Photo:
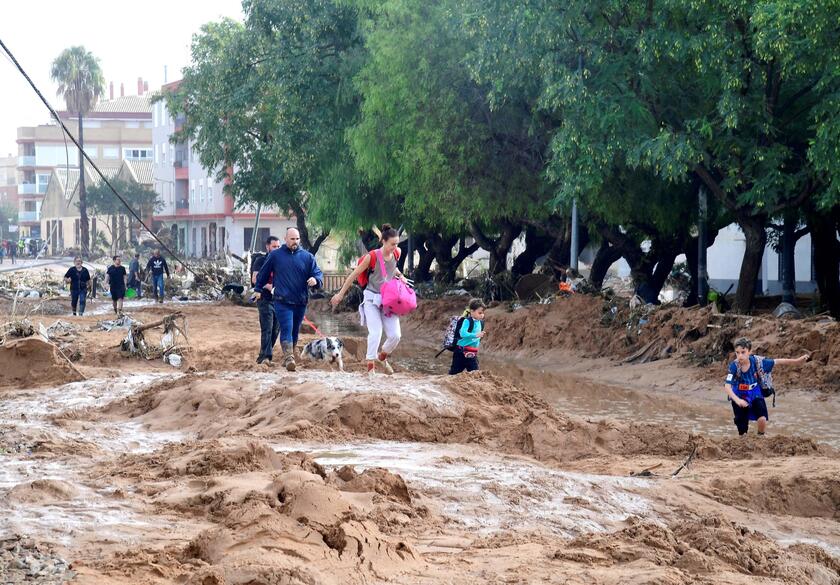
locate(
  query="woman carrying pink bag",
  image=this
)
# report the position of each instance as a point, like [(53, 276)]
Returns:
[(387, 296)]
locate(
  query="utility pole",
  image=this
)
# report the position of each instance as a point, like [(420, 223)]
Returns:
[(573, 252), (256, 229), (788, 259), (573, 261), (702, 270)]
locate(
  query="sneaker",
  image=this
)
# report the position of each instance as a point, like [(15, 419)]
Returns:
[(383, 359), (371, 368), (261, 358)]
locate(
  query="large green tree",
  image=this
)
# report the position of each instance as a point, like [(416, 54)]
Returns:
[(734, 94), (270, 98), (429, 132), (81, 84)]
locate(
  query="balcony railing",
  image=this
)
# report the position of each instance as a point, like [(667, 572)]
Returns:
[(27, 189), (26, 161), (182, 204), (28, 216), (180, 163)]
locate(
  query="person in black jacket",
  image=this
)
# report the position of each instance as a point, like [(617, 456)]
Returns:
[(78, 278), (156, 267), (269, 326), (291, 271)]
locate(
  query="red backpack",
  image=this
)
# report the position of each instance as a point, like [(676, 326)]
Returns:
[(362, 279)]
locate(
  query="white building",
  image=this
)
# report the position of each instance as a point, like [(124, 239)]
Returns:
[(203, 219), (724, 264)]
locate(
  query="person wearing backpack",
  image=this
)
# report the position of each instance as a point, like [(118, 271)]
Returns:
[(371, 310), (469, 330), (748, 382)]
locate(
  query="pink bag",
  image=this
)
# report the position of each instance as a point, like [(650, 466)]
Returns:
[(397, 298)]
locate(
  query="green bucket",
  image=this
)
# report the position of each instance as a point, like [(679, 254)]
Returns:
[(131, 293)]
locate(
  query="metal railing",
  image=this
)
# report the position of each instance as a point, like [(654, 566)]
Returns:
[(182, 204)]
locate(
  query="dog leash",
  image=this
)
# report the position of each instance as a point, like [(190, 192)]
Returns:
[(311, 324)]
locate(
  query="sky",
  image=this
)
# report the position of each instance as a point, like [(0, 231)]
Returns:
[(131, 39)]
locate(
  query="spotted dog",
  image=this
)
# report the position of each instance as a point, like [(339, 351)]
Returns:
[(328, 348)]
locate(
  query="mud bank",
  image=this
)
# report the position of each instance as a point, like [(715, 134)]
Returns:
[(480, 408), (595, 327)]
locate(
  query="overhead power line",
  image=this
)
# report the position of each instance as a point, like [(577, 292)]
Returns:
[(90, 161)]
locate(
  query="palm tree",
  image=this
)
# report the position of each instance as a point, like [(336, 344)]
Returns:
[(81, 84)]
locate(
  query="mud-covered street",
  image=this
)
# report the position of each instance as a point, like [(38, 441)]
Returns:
[(550, 468)]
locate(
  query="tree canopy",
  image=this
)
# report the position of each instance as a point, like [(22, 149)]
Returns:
[(472, 123)]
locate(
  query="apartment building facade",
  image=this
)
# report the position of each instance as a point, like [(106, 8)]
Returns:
[(203, 220), (118, 129), (8, 195)]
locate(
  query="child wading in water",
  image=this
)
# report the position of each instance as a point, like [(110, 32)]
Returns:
[(747, 374), (470, 330)]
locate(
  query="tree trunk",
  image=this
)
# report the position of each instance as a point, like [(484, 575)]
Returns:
[(826, 259), (606, 256), (403, 256), (498, 248), (537, 244), (788, 260), (754, 230), (447, 264), (664, 265), (305, 241), (423, 271), (83, 216)]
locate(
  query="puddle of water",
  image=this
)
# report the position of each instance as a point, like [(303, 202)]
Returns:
[(103, 306), (488, 493)]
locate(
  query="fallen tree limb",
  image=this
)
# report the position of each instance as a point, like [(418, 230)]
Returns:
[(687, 462)]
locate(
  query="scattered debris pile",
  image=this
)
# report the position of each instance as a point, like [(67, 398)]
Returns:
[(16, 329), (122, 322), (22, 560), (173, 341), (64, 335), (34, 284)]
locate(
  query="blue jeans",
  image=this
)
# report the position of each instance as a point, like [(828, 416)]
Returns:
[(289, 317), (78, 297), (157, 285)]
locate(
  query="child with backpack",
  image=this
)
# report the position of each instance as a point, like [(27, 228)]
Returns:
[(378, 274), (749, 382), (466, 337)]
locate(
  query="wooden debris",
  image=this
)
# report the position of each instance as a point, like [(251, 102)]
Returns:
[(687, 462)]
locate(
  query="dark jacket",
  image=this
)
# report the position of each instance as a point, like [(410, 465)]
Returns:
[(78, 278), (157, 265), (291, 271)]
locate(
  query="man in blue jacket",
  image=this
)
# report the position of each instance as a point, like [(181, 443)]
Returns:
[(295, 270)]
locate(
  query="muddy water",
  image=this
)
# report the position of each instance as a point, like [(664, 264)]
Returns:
[(486, 492), (705, 411), (33, 448)]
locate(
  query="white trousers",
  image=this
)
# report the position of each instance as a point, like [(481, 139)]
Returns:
[(371, 314)]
